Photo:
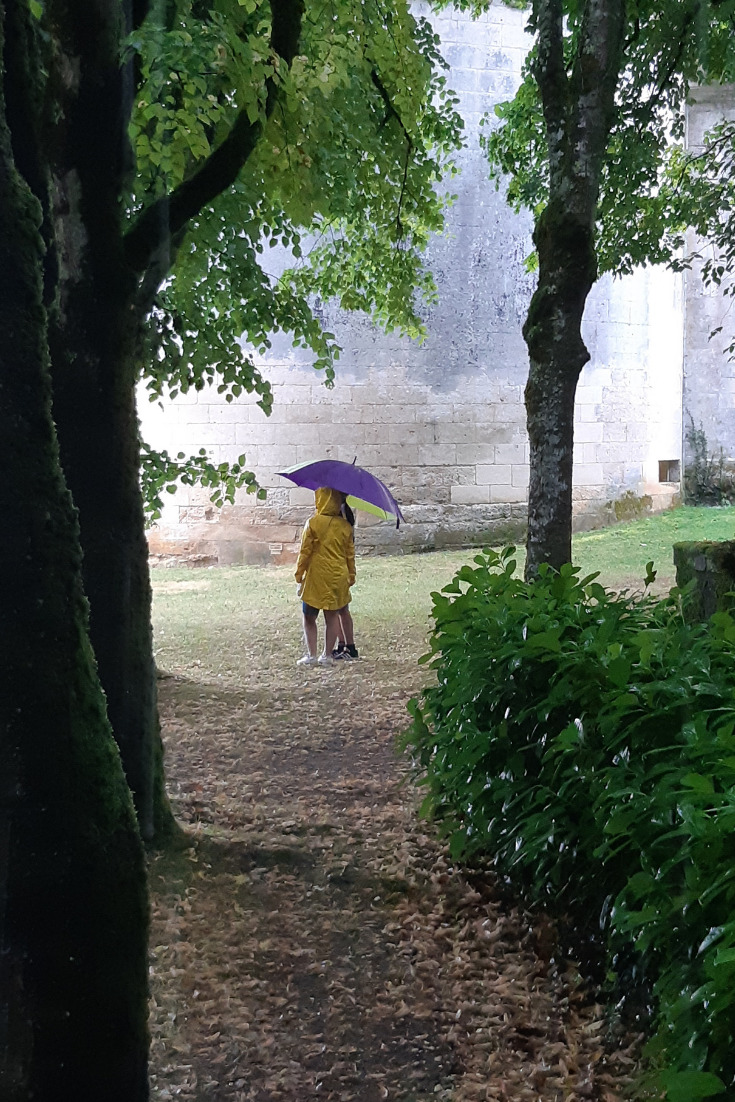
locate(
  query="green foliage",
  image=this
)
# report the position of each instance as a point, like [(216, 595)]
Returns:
[(160, 473), (336, 201), (584, 742), (698, 190), (645, 198), (707, 479), (363, 130)]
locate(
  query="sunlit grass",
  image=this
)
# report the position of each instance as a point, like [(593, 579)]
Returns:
[(216, 619), (621, 553)]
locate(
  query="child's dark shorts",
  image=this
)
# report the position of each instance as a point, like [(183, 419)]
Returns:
[(309, 611)]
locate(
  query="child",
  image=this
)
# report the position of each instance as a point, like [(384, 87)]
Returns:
[(346, 639), (325, 571)]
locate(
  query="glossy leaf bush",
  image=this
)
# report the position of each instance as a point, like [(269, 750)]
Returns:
[(583, 741)]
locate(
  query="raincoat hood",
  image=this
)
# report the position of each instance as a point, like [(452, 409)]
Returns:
[(328, 502)]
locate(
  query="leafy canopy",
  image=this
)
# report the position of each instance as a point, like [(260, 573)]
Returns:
[(642, 208), (336, 200)]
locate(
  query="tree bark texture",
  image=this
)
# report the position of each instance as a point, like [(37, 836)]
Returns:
[(73, 908), (108, 282), (578, 106), (93, 339)]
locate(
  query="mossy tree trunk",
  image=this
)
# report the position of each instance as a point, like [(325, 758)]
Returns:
[(108, 280), (73, 908), (93, 339), (578, 105)]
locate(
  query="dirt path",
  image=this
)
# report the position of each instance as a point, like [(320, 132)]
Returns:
[(314, 942)]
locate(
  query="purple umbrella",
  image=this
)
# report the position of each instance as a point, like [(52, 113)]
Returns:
[(364, 491)]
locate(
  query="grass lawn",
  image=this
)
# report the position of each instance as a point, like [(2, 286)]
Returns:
[(621, 553), (221, 620)]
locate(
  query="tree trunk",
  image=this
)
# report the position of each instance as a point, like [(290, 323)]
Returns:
[(557, 355), (578, 103), (93, 337), (73, 910), (93, 387)]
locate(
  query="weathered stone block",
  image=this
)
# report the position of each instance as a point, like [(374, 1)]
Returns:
[(588, 474), (513, 37), (414, 433), (520, 475), (468, 495), (472, 454), (588, 432), (508, 493), (490, 474), (301, 496), (511, 453), (340, 434), (588, 395), (587, 453), (707, 570), (249, 435), (435, 455), (451, 432)]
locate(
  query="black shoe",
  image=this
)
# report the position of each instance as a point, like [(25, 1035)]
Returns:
[(349, 651)]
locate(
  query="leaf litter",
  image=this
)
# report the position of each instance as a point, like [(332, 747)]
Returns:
[(312, 939)]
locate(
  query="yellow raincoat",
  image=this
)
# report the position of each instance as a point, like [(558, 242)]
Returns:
[(326, 562)]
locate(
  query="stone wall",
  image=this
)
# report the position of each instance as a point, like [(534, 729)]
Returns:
[(443, 422), (709, 379)]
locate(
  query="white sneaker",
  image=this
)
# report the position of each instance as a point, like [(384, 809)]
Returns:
[(325, 660), (307, 660)]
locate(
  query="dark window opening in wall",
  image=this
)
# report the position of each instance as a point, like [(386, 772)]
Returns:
[(669, 470)]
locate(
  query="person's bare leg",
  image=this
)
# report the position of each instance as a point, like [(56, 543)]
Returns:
[(310, 635), (331, 617), (346, 627)]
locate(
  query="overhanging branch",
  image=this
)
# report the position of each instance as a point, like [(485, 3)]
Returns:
[(392, 113), (145, 242)]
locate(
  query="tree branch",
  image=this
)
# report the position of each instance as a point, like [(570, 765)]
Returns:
[(145, 242), (663, 82), (392, 113), (159, 265), (594, 81), (137, 12), (550, 75)]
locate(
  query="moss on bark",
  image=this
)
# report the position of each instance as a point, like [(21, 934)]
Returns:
[(73, 904), (707, 571), (93, 335)]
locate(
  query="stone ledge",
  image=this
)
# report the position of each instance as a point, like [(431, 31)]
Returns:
[(426, 528)]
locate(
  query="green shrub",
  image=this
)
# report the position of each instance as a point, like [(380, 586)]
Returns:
[(584, 742)]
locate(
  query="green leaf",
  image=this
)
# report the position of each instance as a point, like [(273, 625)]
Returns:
[(640, 884), (619, 822), (619, 671), (689, 1086), (544, 641), (698, 783)]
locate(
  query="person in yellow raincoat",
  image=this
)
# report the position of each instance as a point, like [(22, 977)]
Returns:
[(325, 571)]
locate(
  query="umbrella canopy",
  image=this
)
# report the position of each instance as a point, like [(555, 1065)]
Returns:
[(364, 491)]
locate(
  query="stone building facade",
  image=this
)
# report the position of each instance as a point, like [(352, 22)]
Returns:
[(709, 372), (443, 423)]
